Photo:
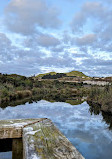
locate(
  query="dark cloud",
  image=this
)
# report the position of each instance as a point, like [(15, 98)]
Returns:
[(86, 40), (5, 48), (98, 62), (18, 68), (47, 41), (98, 17), (97, 67), (28, 62), (89, 10), (25, 16), (43, 40)]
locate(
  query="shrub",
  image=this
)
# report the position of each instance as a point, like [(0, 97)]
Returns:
[(4, 93)]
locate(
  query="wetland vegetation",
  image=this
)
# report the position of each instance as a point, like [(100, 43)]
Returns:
[(59, 89), (54, 87)]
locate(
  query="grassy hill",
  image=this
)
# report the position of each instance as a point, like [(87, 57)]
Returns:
[(72, 73), (76, 73), (51, 73)]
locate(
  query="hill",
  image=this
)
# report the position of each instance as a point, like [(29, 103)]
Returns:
[(76, 73), (68, 74), (51, 73)]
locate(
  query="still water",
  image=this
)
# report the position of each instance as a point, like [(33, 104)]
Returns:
[(88, 133)]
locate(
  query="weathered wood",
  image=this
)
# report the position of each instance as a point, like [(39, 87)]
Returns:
[(17, 149), (43, 140), (13, 128)]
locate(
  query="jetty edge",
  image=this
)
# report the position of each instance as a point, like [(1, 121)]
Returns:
[(37, 139)]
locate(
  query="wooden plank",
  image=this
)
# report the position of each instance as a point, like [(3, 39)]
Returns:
[(13, 128), (43, 140)]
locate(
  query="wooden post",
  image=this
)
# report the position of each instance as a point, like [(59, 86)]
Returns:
[(17, 149)]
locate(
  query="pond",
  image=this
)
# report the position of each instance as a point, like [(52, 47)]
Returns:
[(89, 133)]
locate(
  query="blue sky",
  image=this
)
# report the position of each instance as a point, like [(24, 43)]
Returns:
[(38, 36)]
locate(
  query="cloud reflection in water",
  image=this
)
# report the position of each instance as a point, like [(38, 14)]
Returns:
[(88, 133)]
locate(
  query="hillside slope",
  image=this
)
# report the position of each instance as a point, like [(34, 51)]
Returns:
[(76, 73), (72, 73)]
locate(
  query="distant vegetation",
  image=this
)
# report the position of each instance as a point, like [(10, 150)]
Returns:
[(15, 87), (55, 76), (51, 73), (59, 75), (76, 73)]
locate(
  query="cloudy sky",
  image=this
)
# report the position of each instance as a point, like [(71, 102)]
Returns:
[(38, 36)]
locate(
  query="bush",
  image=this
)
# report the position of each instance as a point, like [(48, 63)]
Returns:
[(4, 93), (23, 94)]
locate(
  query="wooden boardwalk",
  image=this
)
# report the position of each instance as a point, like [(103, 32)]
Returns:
[(37, 139)]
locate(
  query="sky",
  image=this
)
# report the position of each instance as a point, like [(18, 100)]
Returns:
[(39, 36)]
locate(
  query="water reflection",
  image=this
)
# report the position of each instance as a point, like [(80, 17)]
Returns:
[(108, 119), (74, 101), (96, 109), (89, 133), (6, 146), (6, 155)]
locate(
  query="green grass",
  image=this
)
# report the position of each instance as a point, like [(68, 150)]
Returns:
[(72, 73), (51, 73), (76, 73)]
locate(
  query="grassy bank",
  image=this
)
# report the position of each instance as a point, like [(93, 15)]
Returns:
[(102, 97), (15, 87)]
